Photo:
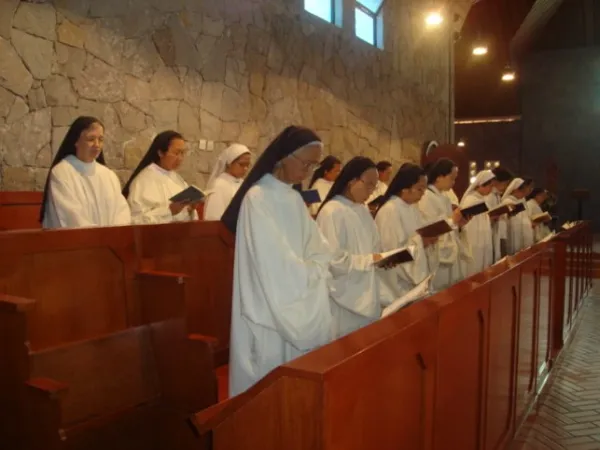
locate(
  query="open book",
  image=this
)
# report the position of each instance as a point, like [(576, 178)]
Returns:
[(311, 196), (500, 210), (547, 238), (376, 202), (419, 291), (435, 229), (191, 194), (541, 218), (517, 208), (568, 225), (474, 210), (396, 256)]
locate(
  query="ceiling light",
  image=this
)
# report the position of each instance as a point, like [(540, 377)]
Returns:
[(480, 50), (434, 19), (508, 75), (461, 143)]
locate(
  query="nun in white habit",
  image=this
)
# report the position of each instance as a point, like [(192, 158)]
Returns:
[(398, 220), (534, 208), (519, 226), (323, 178), (155, 180), (226, 178), (356, 291), (502, 179), (281, 271), (80, 190), (479, 228), (453, 247)]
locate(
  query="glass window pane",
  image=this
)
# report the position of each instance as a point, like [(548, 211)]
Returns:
[(320, 8), (371, 5), (364, 25)]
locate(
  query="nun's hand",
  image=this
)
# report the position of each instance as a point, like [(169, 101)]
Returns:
[(177, 207), (458, 218)]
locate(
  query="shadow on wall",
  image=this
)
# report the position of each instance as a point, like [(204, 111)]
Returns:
[(218, 71)]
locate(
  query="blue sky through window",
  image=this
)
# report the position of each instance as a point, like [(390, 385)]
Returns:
[(364, 26), (320, 8), (371, 5)]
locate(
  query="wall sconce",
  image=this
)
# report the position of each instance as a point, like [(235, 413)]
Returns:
[(480, 50), (509, 75), (434, 19), (461, 143)]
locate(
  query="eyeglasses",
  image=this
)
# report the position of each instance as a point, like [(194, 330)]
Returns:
[(307, 165)]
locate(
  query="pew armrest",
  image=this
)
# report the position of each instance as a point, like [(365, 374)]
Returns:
[(177, 277), (47, 387), (162, 295), (10, 303)]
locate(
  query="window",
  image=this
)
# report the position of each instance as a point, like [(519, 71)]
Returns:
[(368, 21), (329, 10)]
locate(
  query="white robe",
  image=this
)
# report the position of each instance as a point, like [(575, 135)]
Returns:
[(480, 236), (541, 230), (499, 227), (380, 190), (397, 222), (280, 284), (453, 247), (223, 190), (84, 195), (323, 187), (519, 229), (149, 196), (356, 290)]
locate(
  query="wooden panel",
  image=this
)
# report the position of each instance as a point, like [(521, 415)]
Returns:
[(501, 370), (544, 337), (460, 379), (104, 375), (20, 210)]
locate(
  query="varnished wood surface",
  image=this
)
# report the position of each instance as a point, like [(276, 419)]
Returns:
[(20, 210)]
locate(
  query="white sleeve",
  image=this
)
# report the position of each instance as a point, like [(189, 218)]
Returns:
[(215, 205), (293, 286), (69, 210), (146, 203), (121, 211)]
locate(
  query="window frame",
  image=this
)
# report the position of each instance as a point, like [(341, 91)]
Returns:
[(337, 12), (377, 18)]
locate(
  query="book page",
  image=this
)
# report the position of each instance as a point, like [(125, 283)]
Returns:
[(416, 293)]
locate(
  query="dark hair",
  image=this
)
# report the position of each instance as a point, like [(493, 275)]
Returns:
[(503, 174), (325, 166), (67, 147), (535, 192), (487, 183), (440, 168), (160, 143), (382, 166), (351, 171), (297, 187), (526, 182), (407, 176)]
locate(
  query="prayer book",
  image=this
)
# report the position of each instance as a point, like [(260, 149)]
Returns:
[(435, 229), (547, 238), (518, 208), (416, 293), (189, 195), (541, 218), (500, 210), (474, 210), (311, 196), (376, 202), (395, 257)]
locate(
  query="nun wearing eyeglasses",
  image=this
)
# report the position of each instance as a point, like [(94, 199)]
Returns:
[(281, 271), (519, 226), (398, 220), (226, 178), (356, 293), (479, 229), (155, 180)]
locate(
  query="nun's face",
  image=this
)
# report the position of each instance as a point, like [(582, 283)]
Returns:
[(173, 157), (90, 143), (386, 175), (239, 167), (332, 174), (486, 189), (360, 189), (446, 182), (299, 165), (415, 193), (501, 186)]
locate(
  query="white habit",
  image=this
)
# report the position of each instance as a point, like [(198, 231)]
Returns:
[(222, 185), (453, 247), (397, 222), (280, 284), (519, 228), (499, 232), (541, 230), (84, 195), (355, 290), (149, 196), (323, 187), (479, 229), (380, 190)]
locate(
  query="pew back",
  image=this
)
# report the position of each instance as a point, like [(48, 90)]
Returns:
[(20, 210)]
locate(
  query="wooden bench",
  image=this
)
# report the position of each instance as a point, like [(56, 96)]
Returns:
[(20, 210), (125, 390), (461, 369)]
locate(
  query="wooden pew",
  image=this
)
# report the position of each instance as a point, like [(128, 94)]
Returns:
[(131, 389), (20, 210), (463, 367)]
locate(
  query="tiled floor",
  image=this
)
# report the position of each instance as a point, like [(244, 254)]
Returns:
[(568, 415)]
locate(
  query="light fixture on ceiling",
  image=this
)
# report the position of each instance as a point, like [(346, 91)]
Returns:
[(434, 19), (509, 75), (480, 50), (461, 143)]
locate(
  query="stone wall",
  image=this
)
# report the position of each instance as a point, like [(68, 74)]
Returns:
[(221, 71)]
